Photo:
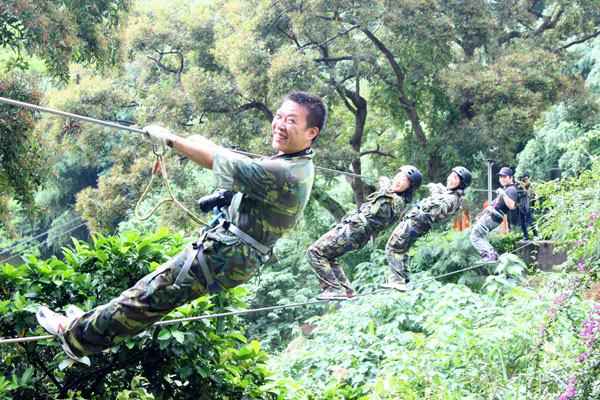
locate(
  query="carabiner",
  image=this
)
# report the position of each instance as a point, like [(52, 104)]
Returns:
[(155, 150)]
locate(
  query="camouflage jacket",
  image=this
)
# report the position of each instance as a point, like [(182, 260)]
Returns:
[(381, 210), (435, 208), (272, 193)]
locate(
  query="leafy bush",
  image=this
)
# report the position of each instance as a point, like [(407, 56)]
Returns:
[(206, 359)]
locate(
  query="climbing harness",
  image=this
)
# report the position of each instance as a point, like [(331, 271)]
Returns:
[(160, 164), (197, 251)]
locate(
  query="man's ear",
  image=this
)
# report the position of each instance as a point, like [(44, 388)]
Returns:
[(313, 132)]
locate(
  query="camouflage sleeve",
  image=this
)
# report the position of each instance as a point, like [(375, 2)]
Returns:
[(441, 206), (263, 180), (380, 207)]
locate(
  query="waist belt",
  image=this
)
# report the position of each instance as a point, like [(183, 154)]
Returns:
[(197, 252), (425, 219), (346, 230), (494, 213)]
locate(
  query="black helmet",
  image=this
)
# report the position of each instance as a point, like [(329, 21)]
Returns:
[(464, 174), (415, 176)]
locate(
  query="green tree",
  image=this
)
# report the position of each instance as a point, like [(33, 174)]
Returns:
[(61, 32), (455, 72), (23, 157), (205, 360)]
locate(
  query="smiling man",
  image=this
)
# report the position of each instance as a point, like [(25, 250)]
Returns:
[(267, 197)]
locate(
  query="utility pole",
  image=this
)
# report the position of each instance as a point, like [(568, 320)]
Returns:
[(489, 166)]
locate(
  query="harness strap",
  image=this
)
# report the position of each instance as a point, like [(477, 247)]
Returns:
[(185, 269), (498, 213), (247, 239)]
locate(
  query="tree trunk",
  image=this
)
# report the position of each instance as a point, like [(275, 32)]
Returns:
[(334, 208), (359, 109)]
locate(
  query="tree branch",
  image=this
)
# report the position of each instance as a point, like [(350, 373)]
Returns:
[(334, 59), (42, 366), (163, 66), (584, 39), (259, 106), (377, 152)]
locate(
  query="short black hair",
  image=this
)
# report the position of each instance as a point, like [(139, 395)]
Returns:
[(317, 110)]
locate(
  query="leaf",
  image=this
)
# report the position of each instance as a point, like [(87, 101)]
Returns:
[(66, 363), (27, 375), (239, 337), (84, 360), (179, 336), (164, 334)]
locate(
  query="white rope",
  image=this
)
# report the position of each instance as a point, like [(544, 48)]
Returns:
[(138, 130)]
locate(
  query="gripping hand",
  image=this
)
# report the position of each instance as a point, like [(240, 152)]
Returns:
[(435, 187), (384, 184), (156, 134), (500, 192)]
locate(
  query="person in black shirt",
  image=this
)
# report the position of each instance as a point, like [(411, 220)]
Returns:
[(524, 206), (493, 215)]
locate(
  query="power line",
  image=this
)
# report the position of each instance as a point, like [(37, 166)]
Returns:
[(40, 235), (41, 243)]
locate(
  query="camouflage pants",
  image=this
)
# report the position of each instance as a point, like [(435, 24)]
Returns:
[(154, 296), (484, 225), (322, 255), (396, 249)]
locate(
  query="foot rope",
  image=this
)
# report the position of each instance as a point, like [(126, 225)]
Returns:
[(253, 310)]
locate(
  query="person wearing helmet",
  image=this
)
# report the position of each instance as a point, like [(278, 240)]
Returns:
[(443, 202), (379, 212)]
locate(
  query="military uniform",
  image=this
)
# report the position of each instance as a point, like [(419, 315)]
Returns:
[(440, 205), (273, 194), (380, 211)]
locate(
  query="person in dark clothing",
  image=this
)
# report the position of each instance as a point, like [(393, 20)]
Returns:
[(493, 215), (525, 197)]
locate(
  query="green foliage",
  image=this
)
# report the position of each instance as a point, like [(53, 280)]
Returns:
[(61, 32), (439, 341), (445, 252), (206, 359), (23, 166)]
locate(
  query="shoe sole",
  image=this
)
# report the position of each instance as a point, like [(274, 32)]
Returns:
[(43, 321), (331, 298), (397, 287)]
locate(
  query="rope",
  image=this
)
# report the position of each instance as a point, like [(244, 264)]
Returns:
[(138, 130), (160, 163), (253, 310), (69, 115)]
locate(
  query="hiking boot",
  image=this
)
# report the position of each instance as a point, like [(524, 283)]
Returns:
[(55, 324), (488, 258), (399, 286), (334, 294)]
